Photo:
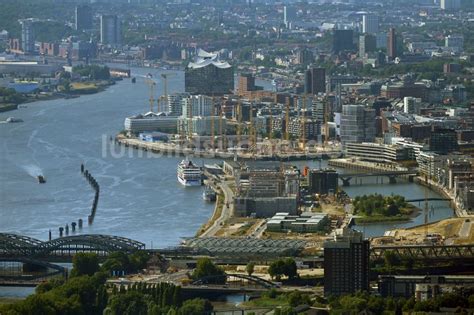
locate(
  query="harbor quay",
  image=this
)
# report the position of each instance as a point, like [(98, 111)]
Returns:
[(202, 147)]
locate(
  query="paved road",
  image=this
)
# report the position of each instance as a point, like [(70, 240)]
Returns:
[(227, 211)]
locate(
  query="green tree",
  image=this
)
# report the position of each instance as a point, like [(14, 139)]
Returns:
[(291, 271), (129, 303), (296, 298), (250, 268), (206, 268), (391, 259), (195, 307), (84, 264), (277, 269)]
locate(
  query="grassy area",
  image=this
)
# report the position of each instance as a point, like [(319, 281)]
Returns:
[(84, 88), (5, 300)]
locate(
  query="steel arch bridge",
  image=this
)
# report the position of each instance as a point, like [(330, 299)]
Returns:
[(13, 245), (225, 278)]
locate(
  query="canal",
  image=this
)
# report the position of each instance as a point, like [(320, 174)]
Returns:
[(438, 209)]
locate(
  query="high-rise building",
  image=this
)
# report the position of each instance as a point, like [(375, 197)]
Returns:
[(315, 81), (392, 44), (468, 117), (357, 124), (289, 15), (367, 44), (28, 35), (83, 15), (346, 263), (370, 24), (323, 181), (174, 103), (246, 83), (304, 56), (197, 105), (444, 141), (455, 42), (209, 76), (450, 4), (110, 30), (342, 40)]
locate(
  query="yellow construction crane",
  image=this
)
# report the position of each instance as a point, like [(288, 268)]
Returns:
[(426, 213), (326, 123), (151, 85), (303, 124), (239, 122), (221, 126), (213, 112), (190, 122), (164, 97), (270, 124), (287, 118), (252, 131)]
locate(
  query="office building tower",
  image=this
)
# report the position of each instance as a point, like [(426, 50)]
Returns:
[(444, 141), (289, 15), (468, 117), (370, 24), (346, 263), (83, 15), (450, 4), (110, 30), (323, 181), (28, 35), (357, 124), (367, 44), (315, 81), (392, 44), (209, 76), (342, 40)]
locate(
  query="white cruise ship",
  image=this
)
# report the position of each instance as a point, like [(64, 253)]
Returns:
[(189, 174)]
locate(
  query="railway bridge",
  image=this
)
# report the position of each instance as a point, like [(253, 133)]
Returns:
[(425, 252)]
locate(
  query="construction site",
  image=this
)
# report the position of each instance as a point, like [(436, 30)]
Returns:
[(230, 125)]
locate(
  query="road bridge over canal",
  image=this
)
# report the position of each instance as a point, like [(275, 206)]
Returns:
[(392, 175)]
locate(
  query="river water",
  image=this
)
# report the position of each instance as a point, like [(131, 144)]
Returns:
[(140, 197)]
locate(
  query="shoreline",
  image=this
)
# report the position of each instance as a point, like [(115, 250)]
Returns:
[(56, 96)]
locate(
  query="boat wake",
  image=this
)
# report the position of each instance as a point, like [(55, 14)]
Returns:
[(33, 170)]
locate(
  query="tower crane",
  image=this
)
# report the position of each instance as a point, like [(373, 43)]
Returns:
[(303, 123), (213, 113), (287, 118), (326, 123), (270, 124), (151, 85), (164, 97), (239, 122)]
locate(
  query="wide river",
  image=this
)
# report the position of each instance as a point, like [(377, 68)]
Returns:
[(140, 197)]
